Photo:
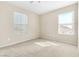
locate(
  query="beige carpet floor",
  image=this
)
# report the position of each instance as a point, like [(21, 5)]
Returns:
[(39, 48)]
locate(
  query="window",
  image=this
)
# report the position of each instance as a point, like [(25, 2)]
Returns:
[(20, 22), (66, 23)]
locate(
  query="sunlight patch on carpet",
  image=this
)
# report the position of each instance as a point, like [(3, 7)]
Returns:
[(46, 43)]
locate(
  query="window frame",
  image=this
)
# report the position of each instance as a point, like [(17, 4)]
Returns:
[(73, 23), (26, 24)]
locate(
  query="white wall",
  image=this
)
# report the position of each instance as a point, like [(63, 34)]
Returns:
[(49, 26), (7, 34), (78, 26), (44, 26)]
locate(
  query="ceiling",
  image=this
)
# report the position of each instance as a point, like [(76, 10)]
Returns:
[(43, 6)]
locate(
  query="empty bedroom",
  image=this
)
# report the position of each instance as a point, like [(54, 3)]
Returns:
[(39, 29)]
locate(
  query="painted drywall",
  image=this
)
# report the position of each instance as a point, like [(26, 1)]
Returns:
[(78, 26), (8, 36), (49, 26), (44, 26)]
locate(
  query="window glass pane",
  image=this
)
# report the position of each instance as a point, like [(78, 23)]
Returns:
[(20, 18), (66, 18)]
